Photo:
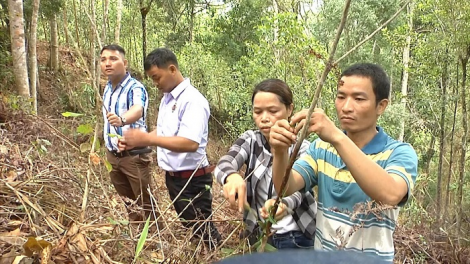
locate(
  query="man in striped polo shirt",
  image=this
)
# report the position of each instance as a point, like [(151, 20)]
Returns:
[(125, 103), (363, 175)]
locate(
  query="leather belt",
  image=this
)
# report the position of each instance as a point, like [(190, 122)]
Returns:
[(187, 173), (131, 152)]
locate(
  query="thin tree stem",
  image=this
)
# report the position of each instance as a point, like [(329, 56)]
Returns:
[(372, 34)]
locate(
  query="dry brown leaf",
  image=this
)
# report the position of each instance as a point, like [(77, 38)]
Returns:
[(46, 255), (34, 245), (80, 241), (11, 176), (13, 240), (15, 232), (95, 159), (21, 259)]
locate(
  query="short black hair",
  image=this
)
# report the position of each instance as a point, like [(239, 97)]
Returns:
[(380, 80), (161, 57), (114, 47)]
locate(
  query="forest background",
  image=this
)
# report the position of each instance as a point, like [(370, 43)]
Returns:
[(49, 65)]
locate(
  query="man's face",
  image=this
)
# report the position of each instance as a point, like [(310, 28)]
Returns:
[(113, 63), (356, 105), (163, 78)]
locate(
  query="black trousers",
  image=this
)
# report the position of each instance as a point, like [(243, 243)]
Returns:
[(199, 197)]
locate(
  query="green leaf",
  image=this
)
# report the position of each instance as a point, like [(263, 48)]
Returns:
[(208, 187), (108, 165), (85, 147), (70, 114), (43, 148), (269, 248), (112, 221), (143, 237), (97, 143), (114, 135), (85, 129), (227, 251), (46, 142), (124, 222)]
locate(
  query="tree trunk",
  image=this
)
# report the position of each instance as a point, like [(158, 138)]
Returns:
[(276, 31), (406, 61), (463, 151), (54, 60), (443, 84), (77, 34), (191, 21), (105, 22), (33, 61), (143, 12), (93, 37), (117, 28), (67, 40), (18, 46), (451, 158), (429, 155)]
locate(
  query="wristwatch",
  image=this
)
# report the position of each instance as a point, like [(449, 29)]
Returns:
[(123, 121)]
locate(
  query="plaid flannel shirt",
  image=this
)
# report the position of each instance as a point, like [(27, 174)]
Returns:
[(252, 149)]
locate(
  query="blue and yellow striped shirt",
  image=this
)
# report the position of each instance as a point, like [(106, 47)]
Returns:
[(344, 220)]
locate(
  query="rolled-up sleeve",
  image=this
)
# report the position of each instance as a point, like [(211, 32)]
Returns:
[(233, 161)]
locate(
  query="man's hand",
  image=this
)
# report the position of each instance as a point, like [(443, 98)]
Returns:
[(122, 144), (114, 119), (134, 138), (235, 186), (280, 213), (282, 136), (320, 124)]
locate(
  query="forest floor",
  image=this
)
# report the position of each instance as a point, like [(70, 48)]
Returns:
[(45, 181)]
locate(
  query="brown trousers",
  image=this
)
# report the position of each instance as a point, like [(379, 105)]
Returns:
[(130, 176)]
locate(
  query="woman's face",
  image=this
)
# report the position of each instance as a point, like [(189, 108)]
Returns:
[(267, 109)]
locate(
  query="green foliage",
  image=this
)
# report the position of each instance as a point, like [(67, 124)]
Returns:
[(85, 129), (70, 114), (141, 242), (41, 145)]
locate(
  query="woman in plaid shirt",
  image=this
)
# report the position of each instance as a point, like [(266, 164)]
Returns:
[(295, 227)]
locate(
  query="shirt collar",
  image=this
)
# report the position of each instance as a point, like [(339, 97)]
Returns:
[(123, 81), (180, 88), (377, 143)]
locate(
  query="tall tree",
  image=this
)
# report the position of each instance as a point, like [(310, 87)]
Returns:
[(406, 62), (18, 46), (54, 52), (33, 62), (464, 61), (117, 26), (144, 10)]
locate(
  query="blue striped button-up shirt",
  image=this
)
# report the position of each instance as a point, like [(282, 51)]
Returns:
[(128, 92)]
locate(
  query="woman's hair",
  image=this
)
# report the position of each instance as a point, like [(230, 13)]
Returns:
[(277, 87)]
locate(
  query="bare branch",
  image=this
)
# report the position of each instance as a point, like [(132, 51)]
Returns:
[(373, 33)]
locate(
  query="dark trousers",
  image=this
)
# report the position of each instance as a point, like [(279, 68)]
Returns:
[(130, 176), (194, 203)]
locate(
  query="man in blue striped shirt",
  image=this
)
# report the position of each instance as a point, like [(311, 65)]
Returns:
[(363, 175), (125, 103)]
